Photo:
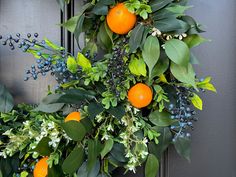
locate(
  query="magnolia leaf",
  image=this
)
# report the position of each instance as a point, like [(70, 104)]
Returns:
[(83, 61), (72, 64), (73, 161), (177, 51), (6, 100), (107, 148), (182, 146), (151, 52), (183, 74), (152, 166), (136, 37), (137, 67), (194, 40), (196, 101)]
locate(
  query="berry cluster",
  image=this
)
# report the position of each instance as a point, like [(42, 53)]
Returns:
[(182, 112), (26, 167), (117, 67)]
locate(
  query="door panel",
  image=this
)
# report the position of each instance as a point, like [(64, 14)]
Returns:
[(214, 137), (26, 16)]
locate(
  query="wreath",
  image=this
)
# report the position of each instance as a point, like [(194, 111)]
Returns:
[(129, 94)]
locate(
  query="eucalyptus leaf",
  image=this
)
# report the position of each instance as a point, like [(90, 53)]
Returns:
[(6, 100), (182, 146), (183, 74), (178, 52), (152, 166), (74, 160), (151, 52), (74, 129)]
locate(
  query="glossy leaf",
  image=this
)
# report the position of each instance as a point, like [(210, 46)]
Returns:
[(6, 100), (94, 109), (182, 146), (151, 52), (160, 67), (205, 84), (136, 37), (152, 166), (161, 119), (79, 28), (49, 108), (43, 148), (177, 51), (72, 64), (137, 67), (55, 171), (118, 111), (75, 130), (194, 40), (196, 101), (156, 5), (73, 161), (100, 9), (104, 38), (168, 24), (83, 61), (178, 9), (183, 74), (107, 147), (118, 152)]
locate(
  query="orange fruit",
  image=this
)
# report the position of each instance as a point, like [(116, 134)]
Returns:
[(73, 116), (41, 168), (140, 95), (120, 20)]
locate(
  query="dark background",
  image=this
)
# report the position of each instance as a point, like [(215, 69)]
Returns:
[(214, 137)]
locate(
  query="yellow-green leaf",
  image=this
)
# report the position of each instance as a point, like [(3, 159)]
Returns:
[(196, 101), (137, 67), (52, 45), (83, 61), (72, 64)]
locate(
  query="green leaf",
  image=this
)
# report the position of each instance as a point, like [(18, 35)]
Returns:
[(196, 101), (205, 84), (118, 152), (24, 174), (193, 59), (194, 40), (137, 67), (72, 64), (168, 24), (118, 111), (75, 130), (152, 166), (74, 160), (178, 9), (161, 119), (43, 148), (62, 4), (79, 28), (94, 149), (52, 45), (104, 37), (177, 51), (55, 171), (151, 52), (71, 24), (136, 37), (161, 66), (182, 146), (194, 26), (82, 172), (156, 5), (107, 148), (94, 109), (100, 9), (83, 61), (183, 74), (49, 108), (6, 100)]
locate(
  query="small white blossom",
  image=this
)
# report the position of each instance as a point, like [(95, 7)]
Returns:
[(110, 128), (105, 137), (3, 154), (143, 154), (131, 167), (99, 118)]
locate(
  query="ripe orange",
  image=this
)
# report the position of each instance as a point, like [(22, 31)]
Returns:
[(120, 20), (140, 95), (41, 168), (73, 116)]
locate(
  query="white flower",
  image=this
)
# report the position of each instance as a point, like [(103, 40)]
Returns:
[(99, 118), (105, 137), (129, 154), (143, 154), (3, 154), (145, 141), (110, 128), (51, 125), (131, 167)]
